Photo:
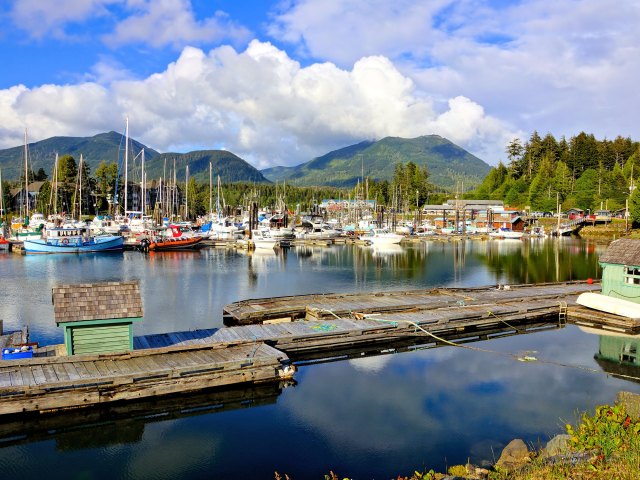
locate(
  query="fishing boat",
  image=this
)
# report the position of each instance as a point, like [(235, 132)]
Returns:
[(4, 243), (173, 239), (72, 240), (380, 236)]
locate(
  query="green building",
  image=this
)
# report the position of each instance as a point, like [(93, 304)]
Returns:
[(618, 355), (97, 317), (621, 270)]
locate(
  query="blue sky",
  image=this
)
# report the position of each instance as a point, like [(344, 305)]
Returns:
[(279, 82)]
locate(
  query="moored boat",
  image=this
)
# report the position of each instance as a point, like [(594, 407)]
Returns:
[(507, 233), (72, 240), (177, 240), (381, 236)]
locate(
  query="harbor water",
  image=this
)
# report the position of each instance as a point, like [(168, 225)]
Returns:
[(369, 416)]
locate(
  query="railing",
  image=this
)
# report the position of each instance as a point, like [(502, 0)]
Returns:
[(569, 226)]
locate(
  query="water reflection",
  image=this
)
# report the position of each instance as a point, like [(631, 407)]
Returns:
[(618, 353), (421, 407)]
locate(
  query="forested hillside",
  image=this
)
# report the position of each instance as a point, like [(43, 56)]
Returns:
[(580, 172)]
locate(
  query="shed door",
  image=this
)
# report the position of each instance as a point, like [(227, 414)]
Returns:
[(104, 339)]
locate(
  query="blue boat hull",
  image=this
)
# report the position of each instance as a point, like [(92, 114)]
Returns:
[(74, 245)]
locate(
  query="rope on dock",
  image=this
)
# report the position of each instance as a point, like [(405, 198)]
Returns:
[(520, 358)]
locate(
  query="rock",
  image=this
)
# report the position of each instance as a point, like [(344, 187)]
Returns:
[(631, 402), (481, 472), (558, 445), (514, 455)]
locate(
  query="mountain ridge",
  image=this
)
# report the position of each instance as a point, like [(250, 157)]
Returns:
[(109, 147), (446, 162)]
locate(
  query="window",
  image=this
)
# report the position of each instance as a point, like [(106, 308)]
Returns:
[(629, 353), (632, 275)]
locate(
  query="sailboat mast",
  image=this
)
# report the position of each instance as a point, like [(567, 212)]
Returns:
[(80, 190), (26, 175), (186, 194), (142, 187), (210, 186), (1, 198), (126, 163)]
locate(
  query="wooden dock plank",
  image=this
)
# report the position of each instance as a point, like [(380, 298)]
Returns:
[(38, 374)]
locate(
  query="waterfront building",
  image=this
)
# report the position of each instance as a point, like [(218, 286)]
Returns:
[(620, 265), (97, 317)]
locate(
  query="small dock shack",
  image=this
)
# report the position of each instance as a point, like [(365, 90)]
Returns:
[(620, 265), (97, 317)]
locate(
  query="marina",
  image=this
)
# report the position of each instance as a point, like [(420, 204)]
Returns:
[(376, 355)]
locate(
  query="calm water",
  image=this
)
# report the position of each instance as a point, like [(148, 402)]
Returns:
[(370, 417)]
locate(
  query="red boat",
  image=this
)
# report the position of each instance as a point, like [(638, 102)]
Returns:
[(4, 243), (177, 241)]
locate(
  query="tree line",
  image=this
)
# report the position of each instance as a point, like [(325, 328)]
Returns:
[(580, 172)]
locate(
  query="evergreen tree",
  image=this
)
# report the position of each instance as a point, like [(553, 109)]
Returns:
[(586, 189), (515, 150), (634, 207), (562, 180)]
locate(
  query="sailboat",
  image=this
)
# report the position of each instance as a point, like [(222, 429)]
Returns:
[(4, 243), (26, 226)]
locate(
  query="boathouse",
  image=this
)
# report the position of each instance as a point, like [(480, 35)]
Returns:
[(97, 317), (620, 265)]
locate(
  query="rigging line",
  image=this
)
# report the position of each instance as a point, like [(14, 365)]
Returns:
[(485, 350)]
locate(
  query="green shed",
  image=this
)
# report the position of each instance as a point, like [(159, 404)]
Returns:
[(97, 317), (621, 270), (619, 355)]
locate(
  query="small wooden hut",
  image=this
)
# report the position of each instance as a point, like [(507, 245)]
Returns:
[(97, 317), (621, 270)]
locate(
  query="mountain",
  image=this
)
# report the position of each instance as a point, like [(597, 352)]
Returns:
[(109, 147), (42, 154), (446, 162), (230, 167)]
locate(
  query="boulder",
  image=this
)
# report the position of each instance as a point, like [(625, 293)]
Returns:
[(514, 455), (558, 445), (631, 402)]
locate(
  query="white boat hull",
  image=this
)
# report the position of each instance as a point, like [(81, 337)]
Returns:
[(604, 303)]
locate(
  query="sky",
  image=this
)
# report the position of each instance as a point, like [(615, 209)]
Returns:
[(279, 82)]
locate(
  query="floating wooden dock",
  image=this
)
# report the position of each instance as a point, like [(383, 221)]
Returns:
[(267, 334), (469, 302), (58, 383), (587, 317)]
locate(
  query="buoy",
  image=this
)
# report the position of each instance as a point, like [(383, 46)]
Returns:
[(590, 281)]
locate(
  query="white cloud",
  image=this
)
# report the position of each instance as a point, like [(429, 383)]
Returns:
[(39, 19), (345, 30), (154, 23), (259, 104), (159, 23), (561, 67)]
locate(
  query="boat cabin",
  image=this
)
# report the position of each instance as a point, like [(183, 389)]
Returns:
[(97, 317), (620, 265)]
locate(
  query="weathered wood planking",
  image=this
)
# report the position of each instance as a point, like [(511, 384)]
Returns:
[(319, 305), (55, 383), (592, 318)]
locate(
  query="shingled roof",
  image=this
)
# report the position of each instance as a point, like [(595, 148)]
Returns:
[(625, 251), (96, 301)]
